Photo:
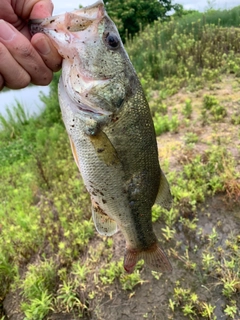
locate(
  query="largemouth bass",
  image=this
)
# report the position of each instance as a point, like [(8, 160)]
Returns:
[(111, 131)]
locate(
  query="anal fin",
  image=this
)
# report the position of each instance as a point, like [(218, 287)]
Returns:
[(104, 225), (164, 197)]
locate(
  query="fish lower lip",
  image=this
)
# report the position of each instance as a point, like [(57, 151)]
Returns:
[(91, 110), (34, 28)]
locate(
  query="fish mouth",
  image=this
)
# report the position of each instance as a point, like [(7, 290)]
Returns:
[(81, 95), (78, 20), (63, 30), (92, 110), (81, 107)]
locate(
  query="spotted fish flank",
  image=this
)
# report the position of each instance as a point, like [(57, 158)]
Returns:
[(111, 132)]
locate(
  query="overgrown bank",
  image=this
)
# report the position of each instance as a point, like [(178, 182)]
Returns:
[(52, 262)]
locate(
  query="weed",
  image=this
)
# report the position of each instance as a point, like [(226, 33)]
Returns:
[(168, 233), (187, 109), (208, 311), (235, 118), (230, 311), (49, 250), (191, 305), (38, 279), (36, 289), (230, 287), (37, 308), (156, 275), (7, 273), (129, 282), (68, 298), (189, 51), (16, 122), (209, 261), (80, 271), (156, 213), (213, 237), (161, 124), (164, 123), (191, 137), (169, 217), (172, 305), (211, 104), (109, 274)]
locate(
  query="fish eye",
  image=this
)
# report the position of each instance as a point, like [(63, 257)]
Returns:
[(112, 41)]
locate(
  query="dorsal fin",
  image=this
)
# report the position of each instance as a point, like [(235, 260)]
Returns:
[(164, 197), (104, 225)]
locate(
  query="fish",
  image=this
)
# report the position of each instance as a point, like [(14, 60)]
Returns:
[(111, 131)]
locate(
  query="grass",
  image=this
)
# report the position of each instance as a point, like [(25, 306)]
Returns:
[(187, 52), (50, 254)]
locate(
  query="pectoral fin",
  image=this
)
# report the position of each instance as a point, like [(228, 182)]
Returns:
[(104, 148), (104, 225), (74, 152), (164, 197)]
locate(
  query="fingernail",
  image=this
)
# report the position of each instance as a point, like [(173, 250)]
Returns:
[(1, 82), (42, 46), (6, 32)]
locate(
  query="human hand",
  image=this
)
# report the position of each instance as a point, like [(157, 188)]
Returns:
[(25, 59)]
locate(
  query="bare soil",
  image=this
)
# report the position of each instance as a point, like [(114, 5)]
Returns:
[(150, 300)]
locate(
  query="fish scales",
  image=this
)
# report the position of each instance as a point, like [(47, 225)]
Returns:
[(111, 131), (140, 161)]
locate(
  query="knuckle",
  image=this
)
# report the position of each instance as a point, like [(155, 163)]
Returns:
[(25, 81), (39, 72), (12, 74), (21, 80), (25, 50), (3, 51)]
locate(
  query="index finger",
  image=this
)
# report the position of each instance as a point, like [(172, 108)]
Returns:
[(24, 54), (33, 9)]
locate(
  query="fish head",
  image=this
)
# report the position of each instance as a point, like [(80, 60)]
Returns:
[(96, 69)]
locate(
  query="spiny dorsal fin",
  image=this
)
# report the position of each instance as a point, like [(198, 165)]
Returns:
[(104, 225), (164, 197)]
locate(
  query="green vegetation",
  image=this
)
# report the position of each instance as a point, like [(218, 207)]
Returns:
[(131, 15), (51, 259), (187, 52)]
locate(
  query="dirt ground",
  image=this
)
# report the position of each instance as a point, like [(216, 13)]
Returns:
[(150, 299)]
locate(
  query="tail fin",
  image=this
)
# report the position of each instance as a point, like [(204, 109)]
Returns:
[(154, 257)]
